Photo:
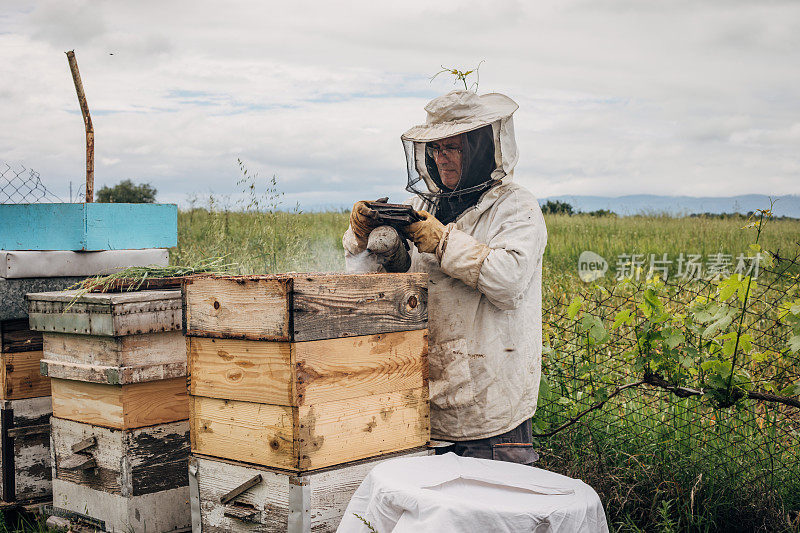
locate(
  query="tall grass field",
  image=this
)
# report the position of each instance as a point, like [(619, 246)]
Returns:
[(651, 482), (271, 242)]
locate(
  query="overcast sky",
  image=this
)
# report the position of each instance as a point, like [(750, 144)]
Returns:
[(616, 96)]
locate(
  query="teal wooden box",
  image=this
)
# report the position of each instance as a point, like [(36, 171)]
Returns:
[(88, 226)]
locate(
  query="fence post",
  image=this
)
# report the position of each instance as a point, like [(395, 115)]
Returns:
[(87, 122)]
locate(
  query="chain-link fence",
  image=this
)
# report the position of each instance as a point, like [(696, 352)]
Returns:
[(20, 185), (678, 401)]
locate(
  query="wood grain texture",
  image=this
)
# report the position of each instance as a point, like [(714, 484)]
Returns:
[(92, 403), (305, 307), (128, 350), (234, 369), (20, 376), (270, 498), (334, 306), (241, 307), (314, 436), (128, 462), (243, 431), (347, 430), (30, 411), (328, 493), (121, 406), (350, 367), (112, 314), (15, 336), (300, 373)]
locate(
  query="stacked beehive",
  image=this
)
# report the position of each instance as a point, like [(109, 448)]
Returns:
[(120, 435), (24, 394), (295, 379)]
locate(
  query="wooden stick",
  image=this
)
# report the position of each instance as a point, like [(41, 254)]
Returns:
[(247, 485), (83, 445), (87, 122)]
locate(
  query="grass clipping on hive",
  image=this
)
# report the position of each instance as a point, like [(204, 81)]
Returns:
[(135, 278)]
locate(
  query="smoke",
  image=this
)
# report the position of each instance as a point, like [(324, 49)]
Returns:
[(363, 262)]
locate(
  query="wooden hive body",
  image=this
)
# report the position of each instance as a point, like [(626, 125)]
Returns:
[(274, 501), (130, 462), (20, 353), (307, 371), (304, 307), (25, 450), (24, 415), (120, 434), (115, 360), (108, 315)]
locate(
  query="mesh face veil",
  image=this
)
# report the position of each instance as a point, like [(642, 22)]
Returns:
[(488, 149), (478, 166)]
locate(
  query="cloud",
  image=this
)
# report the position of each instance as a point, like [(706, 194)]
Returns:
[(616, 97)]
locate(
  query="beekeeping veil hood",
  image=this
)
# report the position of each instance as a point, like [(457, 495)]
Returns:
[(489, 151)]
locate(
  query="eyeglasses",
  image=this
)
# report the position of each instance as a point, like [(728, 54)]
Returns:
[(449, 151)]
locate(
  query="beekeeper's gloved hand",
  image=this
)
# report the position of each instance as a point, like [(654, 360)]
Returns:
[(427, 233), (362, 221)]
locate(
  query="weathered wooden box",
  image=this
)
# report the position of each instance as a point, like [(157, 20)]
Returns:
[(24, 414), (105, 314), (115, 360), (307, 371), (25, 450), (92, 226), (20, 353), (305, 307), (133, 480), (240, 498)]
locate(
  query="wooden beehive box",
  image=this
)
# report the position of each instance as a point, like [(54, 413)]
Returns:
[(20, 353), (25, 450), (105, 314), (132, 480), (301, 372), (24, 415), (243, 498), (115, 360)]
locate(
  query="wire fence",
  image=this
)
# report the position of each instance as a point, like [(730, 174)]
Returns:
[(679, 394), (20, 185)]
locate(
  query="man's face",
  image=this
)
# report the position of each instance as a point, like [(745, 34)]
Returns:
[(447, 155)]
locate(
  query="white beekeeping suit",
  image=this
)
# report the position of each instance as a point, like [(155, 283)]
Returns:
[(485, 280)]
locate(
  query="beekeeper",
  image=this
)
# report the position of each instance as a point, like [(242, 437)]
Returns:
[(481, 242)]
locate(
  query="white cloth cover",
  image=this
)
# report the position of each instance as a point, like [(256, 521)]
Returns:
[(60, 263), (465, 494), (484, 298)]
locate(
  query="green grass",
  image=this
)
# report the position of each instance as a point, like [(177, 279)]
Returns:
[(568, 236), (263, 243), (312, 241), (19, 522)]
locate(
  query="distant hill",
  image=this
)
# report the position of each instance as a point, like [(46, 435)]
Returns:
[(635, 204)]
